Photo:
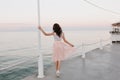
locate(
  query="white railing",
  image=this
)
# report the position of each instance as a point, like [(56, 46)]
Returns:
[(16, 63), (84, 47), (92, 46), (82, 50)]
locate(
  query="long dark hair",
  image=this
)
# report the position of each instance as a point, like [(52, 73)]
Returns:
[(57, 29)]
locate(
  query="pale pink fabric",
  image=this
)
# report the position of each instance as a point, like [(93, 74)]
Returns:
[(62, 51)]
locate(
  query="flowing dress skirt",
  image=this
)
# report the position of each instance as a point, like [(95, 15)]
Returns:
[(62, 51)]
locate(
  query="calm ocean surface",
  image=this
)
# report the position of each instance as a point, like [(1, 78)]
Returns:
[(19, 50)]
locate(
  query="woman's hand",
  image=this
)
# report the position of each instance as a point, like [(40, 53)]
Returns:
[(72, 45), (39, 27)]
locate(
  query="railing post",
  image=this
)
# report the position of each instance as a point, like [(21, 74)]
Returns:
[(40, 59), (83, 50), (40, 67), (101, 45)]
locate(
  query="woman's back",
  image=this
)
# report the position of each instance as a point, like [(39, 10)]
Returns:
[(57, 38)]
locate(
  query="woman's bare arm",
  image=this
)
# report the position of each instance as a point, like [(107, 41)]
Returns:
[(67, 41), (46, 34)]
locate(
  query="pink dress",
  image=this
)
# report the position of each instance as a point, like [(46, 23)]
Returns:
[(61, 50)]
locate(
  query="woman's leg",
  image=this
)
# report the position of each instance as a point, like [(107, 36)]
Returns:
[(57, 65), (58, 68)]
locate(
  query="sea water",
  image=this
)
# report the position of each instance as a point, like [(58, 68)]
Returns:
[(19, 50)]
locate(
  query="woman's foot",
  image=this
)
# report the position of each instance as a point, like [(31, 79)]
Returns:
[(58, 73)]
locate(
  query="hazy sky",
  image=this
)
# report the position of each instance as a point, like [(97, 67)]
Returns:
[(15, 14)]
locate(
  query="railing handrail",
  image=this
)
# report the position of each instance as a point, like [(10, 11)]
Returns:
[(83, 45), (17, 63)]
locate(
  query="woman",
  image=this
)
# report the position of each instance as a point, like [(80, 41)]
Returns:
[(61, 50)]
